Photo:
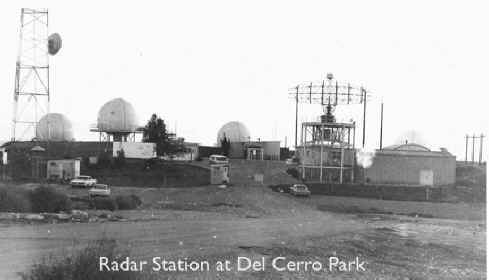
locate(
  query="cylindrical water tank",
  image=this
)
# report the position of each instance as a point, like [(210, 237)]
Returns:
[(54, 127), (234, 132), (117, 116)]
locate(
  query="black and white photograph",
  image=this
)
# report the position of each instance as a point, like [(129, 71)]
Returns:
[(147, 140)]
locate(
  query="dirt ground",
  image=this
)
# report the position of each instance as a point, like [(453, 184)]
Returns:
[(396, 239)]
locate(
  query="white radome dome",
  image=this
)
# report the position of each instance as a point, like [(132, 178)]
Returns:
[(117, 115), (54, 127), (234, 131)]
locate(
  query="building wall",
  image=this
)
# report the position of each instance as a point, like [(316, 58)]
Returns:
[(63, 169), (405, 168), (135, 149), (206, 151), (271, 149)]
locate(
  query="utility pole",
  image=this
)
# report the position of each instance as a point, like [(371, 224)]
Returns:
[(364, 114), (381, 121), (480, 149), (473, 148), (296, 113)]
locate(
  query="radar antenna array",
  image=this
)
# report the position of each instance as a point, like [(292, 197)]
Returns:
[(329, 93)]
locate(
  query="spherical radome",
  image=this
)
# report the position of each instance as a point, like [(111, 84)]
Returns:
[(234, 131), (117, 115), (54, 127)]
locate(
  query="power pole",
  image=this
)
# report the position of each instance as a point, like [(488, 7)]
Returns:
[(364, 114), (480, 149), (381, 122), (296, 113)]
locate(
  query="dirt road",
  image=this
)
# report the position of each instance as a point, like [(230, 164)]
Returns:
[(21, 245)]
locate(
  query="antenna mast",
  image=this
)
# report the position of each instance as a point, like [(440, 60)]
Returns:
[(31, 94)]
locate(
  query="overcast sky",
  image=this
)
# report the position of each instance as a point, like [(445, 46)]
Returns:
[(199, 64)]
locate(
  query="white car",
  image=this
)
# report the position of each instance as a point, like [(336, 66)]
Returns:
[(218, 159), (99, 190), (300, 190), (83, 181)]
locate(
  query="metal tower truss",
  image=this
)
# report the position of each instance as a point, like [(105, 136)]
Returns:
[(329, 93), (31, 95)]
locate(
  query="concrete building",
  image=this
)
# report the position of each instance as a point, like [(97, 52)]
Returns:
[(411, 164), (64, 169)]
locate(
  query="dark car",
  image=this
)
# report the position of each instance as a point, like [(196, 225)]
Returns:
[(281, 188)]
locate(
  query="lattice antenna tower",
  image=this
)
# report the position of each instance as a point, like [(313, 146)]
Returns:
[(329, 93), (31, 95)]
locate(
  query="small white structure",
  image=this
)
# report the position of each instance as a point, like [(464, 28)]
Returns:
[(219, 174), (63, 169), (3, 156), (135, 149)]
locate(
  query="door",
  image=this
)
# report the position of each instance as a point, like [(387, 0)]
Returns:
[(426, 177)]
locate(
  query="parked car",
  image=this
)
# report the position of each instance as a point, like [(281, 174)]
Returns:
[(299, 190), (83, 181), (292, 161), (99, 190), (218, 159)]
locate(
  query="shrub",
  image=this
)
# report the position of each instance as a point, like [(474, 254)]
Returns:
[(14, 200), (293, 172), (103, 203), (84, 265), (128, 202), (47, 199)]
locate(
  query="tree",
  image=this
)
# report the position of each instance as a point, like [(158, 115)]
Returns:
[(155, 132), (166, 143), (225, 145)]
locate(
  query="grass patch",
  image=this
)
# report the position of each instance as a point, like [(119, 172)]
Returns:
[(14, 200), (104, 203), (84, 265), (128, 202), (47, 199), (41, 199)]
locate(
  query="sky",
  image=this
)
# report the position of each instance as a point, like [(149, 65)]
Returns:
[(200, 64)]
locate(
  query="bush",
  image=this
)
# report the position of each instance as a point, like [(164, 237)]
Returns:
[(47, 199), (103, 203), (14, 200), (128, 202), (84, 265), (293, 172)]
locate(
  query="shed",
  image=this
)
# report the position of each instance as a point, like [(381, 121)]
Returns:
[(64, 169)]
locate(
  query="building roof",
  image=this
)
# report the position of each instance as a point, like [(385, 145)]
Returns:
[(408, 147), (412, 149)]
